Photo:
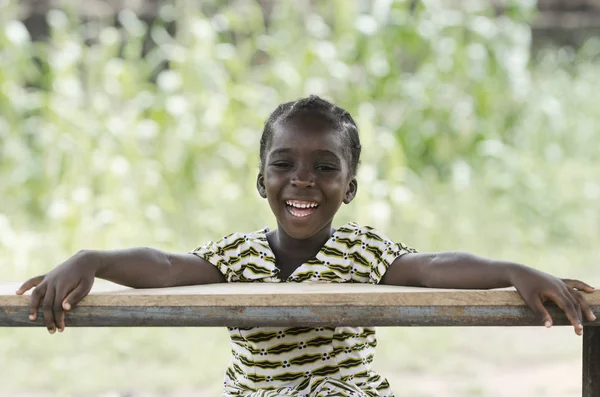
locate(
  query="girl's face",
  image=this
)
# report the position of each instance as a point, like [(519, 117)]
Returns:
[(306, 177)]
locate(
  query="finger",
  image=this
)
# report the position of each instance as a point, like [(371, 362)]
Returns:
[(538, 307), (27, 285), (580, 285), (59, 314), (35, 299), (48, 311), (567, 307), (569, 294), (585, 307), (82, 289)]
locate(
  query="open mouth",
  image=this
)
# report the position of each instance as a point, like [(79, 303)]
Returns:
[(301, 209)]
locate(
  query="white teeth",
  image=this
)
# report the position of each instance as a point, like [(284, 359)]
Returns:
[(298, 215), (301, 205)]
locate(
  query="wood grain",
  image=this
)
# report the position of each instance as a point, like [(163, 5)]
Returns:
[(289, 304), (285, 294)]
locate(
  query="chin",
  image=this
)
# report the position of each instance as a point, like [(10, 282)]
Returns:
[(300, 231)]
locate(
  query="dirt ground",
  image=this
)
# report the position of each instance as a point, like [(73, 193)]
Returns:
[(495, 362), (540, 380), (547, 380)]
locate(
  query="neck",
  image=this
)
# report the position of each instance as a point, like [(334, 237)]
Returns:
[(301, 247)]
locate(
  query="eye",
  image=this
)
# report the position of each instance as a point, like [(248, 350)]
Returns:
[(281, 164), (326, 167)]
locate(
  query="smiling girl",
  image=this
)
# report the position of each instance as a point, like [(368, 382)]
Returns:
[(309, 154)]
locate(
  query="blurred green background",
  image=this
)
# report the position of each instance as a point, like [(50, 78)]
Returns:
[(116, 132)]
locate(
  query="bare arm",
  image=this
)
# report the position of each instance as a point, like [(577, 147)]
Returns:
[(152, 268), (450, 270), (466, 271), (64, 286)]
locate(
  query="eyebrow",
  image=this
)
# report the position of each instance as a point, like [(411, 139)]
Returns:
[(318, 152), (280, 151)]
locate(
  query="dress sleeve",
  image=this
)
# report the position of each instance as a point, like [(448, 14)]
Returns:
[(221, 254), (380, 251), (240, 257), (394, 251)]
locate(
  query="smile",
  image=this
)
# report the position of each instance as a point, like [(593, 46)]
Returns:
[(301, 209)]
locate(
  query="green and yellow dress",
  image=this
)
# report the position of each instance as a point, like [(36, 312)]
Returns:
[(304, 361)]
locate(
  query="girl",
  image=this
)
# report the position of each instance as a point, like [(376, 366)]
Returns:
[(309, 154)]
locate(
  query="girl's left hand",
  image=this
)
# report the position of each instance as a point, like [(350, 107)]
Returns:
[(536, 287)]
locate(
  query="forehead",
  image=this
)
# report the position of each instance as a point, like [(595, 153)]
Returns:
[(307, 133)]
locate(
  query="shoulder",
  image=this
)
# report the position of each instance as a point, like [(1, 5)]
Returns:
[(239, 238), (240, 256), (362, 232), (233, 243), (374, 251), (369, 235)]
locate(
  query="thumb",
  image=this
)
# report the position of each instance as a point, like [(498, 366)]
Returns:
[(29, 284), (580, 285)]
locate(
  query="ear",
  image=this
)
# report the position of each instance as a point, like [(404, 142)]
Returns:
[(351, 191), (260, 185)]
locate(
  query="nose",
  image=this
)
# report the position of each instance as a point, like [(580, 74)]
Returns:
[(303, 178)]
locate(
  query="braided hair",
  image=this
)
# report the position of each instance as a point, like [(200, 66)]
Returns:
[(313, 106)]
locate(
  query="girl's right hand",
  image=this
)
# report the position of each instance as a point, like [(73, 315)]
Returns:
[(60, 289)]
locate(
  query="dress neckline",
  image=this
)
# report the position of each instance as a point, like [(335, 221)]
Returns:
[(277, 271)]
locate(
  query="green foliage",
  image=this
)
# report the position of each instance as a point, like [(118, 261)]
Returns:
[(99, 142)]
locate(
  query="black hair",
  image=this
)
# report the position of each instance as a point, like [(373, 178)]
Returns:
[(315, 106)]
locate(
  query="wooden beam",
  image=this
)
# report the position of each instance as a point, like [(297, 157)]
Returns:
[(591, 361), (289, 304)]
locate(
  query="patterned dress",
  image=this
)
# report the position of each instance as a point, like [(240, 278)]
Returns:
[(303, 361)]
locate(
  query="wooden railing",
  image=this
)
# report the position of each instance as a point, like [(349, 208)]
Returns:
[(290, 304)]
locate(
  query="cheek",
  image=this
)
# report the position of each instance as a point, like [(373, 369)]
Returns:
[(337, 186), (272, 185), (338, 179)]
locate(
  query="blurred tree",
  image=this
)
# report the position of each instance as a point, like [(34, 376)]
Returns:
[(566, 22), (102, 134), (559, 22)]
